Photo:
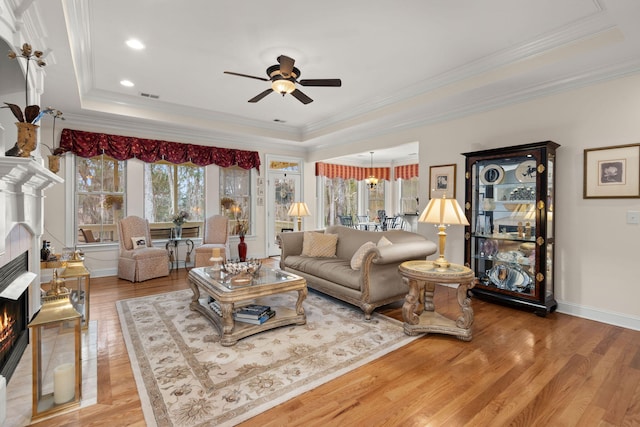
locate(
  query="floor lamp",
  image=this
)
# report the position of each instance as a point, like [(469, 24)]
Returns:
[(299, 209)]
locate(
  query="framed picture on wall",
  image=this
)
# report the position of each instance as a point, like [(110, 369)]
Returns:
[(442, 181), (612, 172)]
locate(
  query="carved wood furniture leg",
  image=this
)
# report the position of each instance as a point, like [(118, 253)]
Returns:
[(302, 295), (196, 296), (429, 291), (466, 319), (411, 302)]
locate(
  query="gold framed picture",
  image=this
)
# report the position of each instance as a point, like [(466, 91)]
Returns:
[(442, 181), (612, 172)]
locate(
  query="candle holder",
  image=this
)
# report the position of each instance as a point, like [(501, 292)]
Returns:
[(56, 348)]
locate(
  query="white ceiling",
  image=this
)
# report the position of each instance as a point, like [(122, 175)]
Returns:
[(402, 64)]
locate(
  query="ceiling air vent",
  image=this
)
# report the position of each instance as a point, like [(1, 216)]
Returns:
[(148, 95)]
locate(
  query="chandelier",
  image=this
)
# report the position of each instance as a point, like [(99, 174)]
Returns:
[(371, 181)]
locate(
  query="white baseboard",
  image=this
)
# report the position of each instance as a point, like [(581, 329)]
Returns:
[(599, 315)]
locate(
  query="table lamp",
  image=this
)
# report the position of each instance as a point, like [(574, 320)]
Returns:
[(443, 212), (299, 209)]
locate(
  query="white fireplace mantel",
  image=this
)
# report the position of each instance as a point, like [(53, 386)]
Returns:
[(22, 184)]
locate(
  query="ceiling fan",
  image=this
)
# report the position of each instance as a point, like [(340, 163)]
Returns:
[(283, 77)]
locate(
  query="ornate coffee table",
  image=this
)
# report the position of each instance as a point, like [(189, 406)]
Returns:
[(418, 310), (267, 281)]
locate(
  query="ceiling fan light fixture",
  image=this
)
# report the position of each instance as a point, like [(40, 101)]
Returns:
[(283, 86)]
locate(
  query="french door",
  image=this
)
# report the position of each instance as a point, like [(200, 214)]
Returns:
[(283, 189)]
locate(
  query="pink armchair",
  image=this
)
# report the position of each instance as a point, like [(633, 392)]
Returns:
[(139, 260), (216, 235)]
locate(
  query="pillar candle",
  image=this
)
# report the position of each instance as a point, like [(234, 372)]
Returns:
[(215, 253), (64, 383)]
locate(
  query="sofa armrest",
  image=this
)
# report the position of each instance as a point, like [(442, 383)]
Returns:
[(401, 252)]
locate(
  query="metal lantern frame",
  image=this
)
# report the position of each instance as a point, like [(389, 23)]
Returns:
[(50, 327)]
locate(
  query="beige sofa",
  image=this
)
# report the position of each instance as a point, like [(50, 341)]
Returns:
[(377, 282)]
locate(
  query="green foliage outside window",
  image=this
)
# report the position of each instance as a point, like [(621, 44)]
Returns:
[(170, 189)]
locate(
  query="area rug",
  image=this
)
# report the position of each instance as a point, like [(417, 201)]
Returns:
[(186, 378)]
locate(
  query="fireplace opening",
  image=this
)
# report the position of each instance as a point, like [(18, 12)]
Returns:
[(14, 317)]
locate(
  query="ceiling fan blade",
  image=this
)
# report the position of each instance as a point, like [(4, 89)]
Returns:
[(286, 65), (246, 75), (321, 82), (301, 97), (261, 95)]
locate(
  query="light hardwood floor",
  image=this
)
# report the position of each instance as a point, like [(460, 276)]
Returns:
[(519, 369)]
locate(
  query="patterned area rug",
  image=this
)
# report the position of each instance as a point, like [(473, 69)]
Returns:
[(186, 378)]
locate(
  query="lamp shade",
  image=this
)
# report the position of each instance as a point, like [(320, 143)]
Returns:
[(443, 211), (298, 209)]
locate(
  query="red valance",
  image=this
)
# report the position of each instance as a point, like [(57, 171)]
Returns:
[(350, 172), (90, 144), (406, 171)]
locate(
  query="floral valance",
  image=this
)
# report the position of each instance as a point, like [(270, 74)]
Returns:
[(350, 172), (90, 144), (406, 171)]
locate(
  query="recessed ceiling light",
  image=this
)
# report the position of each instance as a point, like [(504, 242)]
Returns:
[(135, 44), (126, 83)]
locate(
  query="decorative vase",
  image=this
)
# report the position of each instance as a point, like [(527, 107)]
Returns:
[(177, 232), (54, 163), (26, 138), (242, 249)]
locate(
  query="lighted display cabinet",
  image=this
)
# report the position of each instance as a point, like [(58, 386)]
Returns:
[(510, 239)]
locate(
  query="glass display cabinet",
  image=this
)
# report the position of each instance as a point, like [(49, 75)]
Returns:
[(510, 239)]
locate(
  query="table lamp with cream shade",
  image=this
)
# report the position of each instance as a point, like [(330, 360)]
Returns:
[(299, 209), (443, 212)]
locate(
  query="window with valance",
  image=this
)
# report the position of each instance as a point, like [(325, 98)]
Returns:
[(91, 144)]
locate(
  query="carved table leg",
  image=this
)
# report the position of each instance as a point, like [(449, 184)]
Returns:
[(466, 319), (302, 295), (227, 317), (427, 298), (196, 295), (412, 307)]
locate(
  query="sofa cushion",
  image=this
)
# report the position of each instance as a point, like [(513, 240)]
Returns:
[(319, 245), (356, 260), (332, 269)]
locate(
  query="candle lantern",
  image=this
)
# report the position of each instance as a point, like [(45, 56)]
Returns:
[(80, 290), (56, 348)]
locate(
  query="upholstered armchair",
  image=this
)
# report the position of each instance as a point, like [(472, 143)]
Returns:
[(139, 260), (216, 235)]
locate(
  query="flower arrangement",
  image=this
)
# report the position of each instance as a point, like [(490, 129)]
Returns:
[(31, 112), (227, 202), (112, 200), (180, 218), (57, 114), (242, 227)]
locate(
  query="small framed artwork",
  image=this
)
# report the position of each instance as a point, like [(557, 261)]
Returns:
[(260, 191), (442, 181), (260, 182), (260, 201), (612, 172)]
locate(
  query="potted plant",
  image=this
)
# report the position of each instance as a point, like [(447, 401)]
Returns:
[(26, 141), (54, 153)]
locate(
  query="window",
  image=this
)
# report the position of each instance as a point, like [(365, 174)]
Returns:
[(100, 198), (171, 188), (235, 193), (375, 198), (340, 199), (409, 194)]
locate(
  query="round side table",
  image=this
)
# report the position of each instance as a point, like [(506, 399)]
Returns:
[(418, 309)]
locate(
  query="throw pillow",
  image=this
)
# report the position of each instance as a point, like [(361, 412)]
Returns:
[(384, 241), (356, 259), (319, 244), (139, 242)]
